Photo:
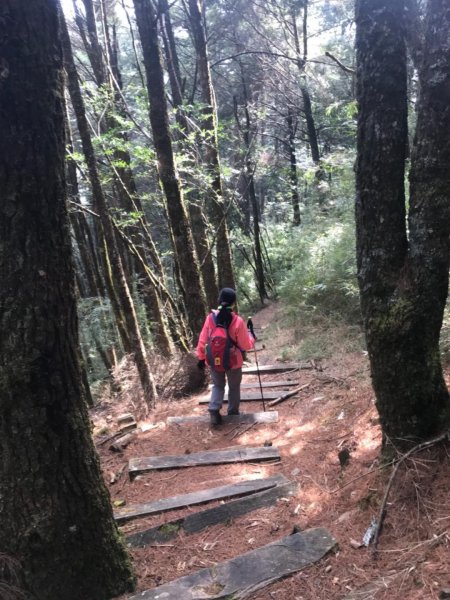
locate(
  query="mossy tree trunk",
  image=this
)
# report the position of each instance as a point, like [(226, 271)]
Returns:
[(194, 297), (106, 72), (247, 132), (116, 283), (218, 213), (293, 174), (403, 272), (56, 511), (199, 222)]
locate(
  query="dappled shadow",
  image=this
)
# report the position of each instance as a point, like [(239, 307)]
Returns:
[(333, 413)]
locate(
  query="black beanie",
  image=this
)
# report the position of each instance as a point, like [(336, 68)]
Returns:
[(227, 296)]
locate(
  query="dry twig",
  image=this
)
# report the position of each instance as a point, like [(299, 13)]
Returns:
[(418, 448)]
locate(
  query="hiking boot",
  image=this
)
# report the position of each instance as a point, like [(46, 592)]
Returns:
[(233, 412), (215, 418)]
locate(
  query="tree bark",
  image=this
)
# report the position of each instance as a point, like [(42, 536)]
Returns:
[(106, 69), (89, 259), (209, 124), (403, 282), (118, 290), (56, 512), (293, 169), (197, 217), (178, 218), (301, 63)]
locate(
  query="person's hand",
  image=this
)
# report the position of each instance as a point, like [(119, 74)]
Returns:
[(201, 364)]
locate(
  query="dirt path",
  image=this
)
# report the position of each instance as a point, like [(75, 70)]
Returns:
[(333, 413)]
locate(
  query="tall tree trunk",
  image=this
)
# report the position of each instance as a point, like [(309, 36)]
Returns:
[(79, 225), (197, 217), (246, 131), (293, 169), (117, 286), (178, 218), (403, 282), (209, 124), (301, 64), (106, 69), (56, 511)]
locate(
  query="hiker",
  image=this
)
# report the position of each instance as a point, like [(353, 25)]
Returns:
[(223, 340)]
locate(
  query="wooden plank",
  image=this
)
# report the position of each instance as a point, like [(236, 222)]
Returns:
[(250, 396), (275, 368), (240, 577), (265, 384), (183, 500), (258, 417), (212, 516), (236, 508), (210, 457), (269, 384)]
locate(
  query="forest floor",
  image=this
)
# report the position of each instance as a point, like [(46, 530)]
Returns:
[(334, 412)]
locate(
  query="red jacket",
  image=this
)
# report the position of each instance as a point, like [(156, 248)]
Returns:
[(237, 331)]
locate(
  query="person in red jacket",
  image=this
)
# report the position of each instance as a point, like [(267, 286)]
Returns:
[(230, 369)]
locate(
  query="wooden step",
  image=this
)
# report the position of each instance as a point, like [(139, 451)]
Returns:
[(240, 577), (212, 516), (265, 384), (258, 417), (250, 396), (264, 369), (183, 500), (210, 457)]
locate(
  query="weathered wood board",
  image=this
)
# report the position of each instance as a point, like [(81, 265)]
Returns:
[(183, 500), (209, 457), (242, 576), (269, 384), (275, 368), (258, 417), (219, 514), (250, 397), (265, 384)]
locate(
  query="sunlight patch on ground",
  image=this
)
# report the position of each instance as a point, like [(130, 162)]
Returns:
[(296, 449)]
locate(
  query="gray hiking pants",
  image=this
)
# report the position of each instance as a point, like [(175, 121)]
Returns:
[(233, 377)]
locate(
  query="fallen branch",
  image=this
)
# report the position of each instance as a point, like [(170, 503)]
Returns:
[(244, 430), (108, 438), (288, 395), (418, 448)]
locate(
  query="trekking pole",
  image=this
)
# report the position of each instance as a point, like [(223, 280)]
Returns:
[(259, 379), (250, 327)]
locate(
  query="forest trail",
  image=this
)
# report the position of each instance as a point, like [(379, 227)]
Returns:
[(332, 416)]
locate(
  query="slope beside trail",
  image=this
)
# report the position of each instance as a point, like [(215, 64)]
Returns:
[(334, 412)]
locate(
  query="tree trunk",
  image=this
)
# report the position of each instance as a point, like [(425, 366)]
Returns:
[(209, 124), (403, 282), (56, 511), (293, 169), (115, 279), (178, 218), (105, 66), (88, 255), (197, 217), (251, 194), (301, 64)]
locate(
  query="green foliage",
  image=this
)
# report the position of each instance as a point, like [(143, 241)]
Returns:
[(96, 327), (314, 264)]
